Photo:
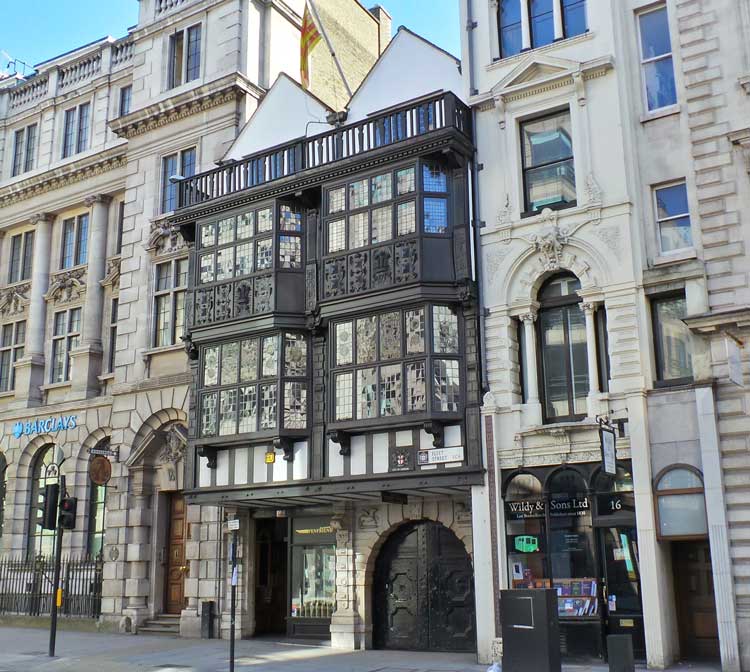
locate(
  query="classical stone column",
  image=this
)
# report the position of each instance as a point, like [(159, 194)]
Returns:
[(30, 368), (557, 17), (525, 25), (529, 361), (589, 311), (87, 360)]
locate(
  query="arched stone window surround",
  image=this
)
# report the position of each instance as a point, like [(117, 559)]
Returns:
[(687, 492), (85, 489)]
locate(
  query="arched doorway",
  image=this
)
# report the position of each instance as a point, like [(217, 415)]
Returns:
[(423, 593)]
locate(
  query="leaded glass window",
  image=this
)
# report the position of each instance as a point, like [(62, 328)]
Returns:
[(264, 254), (358, 193), (291, 220), (381, 188), (386, 358), (336, 200), (358, 230), (382, 226), (337, 235), (262, 385), (265, 220), (290, 252), (434, 179), (406, 181), (406, 216), (435, 215), (245, 225)]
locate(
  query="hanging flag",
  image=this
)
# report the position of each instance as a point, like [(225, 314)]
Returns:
[(309, 38)]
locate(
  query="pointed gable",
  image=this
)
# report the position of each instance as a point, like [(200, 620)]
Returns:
[(284, 114), (410, 67)]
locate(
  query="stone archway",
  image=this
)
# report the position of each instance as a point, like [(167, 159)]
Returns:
[(423, 590)]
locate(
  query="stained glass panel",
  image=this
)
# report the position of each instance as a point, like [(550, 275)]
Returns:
[(290, 252), (295, 405), (206, 265), (211, 366), (343, 390), (265, 220), (226, 231), (208, 414), (248, 409), (366, 339), (225, 263), (291, 220), (336, 200), (267, 406), (337, 235), (381, 188), (444, 329), (390, 390), (358, 194), (249, 360), (295, 355), (229, 363), (435, 215), (406, 216), (367, 393), (344, 354), (382, 227), (434, 179), (270, 356), (244, 260), (358, 234), (446, 388), (245, 225), (228, 412), (416, 390), (414, 331), (390, 335), (406, 181), (208, 234), (263, 254)]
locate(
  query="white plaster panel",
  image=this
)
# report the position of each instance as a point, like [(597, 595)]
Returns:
[(403, 438), (259, 464), (379, 453), (452, 435), (280, 469), (241, 457), (335, 461), (358, 459), (425, 440), (299, 466), (222, 467), (204, 473)]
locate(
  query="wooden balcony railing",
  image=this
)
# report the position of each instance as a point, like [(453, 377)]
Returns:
[(441, 111)]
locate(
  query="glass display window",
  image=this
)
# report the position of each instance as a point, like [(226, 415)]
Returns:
[(313, 581), (525, 525)]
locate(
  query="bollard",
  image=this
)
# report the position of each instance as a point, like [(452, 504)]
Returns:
[(207, 620), (620, 653)]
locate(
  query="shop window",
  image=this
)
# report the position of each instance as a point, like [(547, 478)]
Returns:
[(396, 363), (525, 510), (681, 503), (40, 541), (571, 545), (563, 353), (254, 385), (313, 576), (548, 169), (674, 360)]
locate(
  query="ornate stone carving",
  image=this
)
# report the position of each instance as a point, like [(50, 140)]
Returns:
[(311, 286), (359, 272), (165, 238), (204, 306), (610, 236), (462, 512), (593, 190), (334, 282), (175, 442), (495, 260), (407, 262), (528, 317), (505, 216), (243, 298), (368, 519), (13, 300), (587, 307), (96, 198), (550, 245), (67, 286), (111, 273), (382, 267), (223, 303)]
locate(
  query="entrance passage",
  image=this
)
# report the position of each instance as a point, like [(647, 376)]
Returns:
[(176, 565), (423, 594), (270, 576), (696, 608)]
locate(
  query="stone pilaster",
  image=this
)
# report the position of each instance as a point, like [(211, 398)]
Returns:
[(347, 631)]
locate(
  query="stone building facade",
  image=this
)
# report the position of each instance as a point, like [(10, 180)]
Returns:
[(612, 142), (93, 278)]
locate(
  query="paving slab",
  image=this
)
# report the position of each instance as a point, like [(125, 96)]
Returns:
[(25, 650)]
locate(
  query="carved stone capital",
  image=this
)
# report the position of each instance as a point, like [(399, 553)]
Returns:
[(97, 198), (741, 140), (528, 318), (588, 307)]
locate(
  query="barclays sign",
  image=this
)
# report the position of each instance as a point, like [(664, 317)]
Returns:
[(46, 426)]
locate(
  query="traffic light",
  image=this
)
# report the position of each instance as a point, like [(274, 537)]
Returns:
[(68, 506), (49, 509)]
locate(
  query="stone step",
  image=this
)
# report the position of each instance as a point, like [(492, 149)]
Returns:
[(148, 630)]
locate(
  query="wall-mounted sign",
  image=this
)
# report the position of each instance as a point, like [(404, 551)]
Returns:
[(270, 458), (52, 471), (609, 452), (104, 449), (612, 504), (45, 426), (100, 470), (233, 524), (318, 530), (533, 508), (441, 455), (568, 506)]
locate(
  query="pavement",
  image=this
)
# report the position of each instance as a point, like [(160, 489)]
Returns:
[(25, 650)]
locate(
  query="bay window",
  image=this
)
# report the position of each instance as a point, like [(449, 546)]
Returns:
[(396, 363)]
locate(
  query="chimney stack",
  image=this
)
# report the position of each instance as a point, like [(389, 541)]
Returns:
[(386, 25)]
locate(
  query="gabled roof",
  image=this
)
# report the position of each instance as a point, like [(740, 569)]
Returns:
[(287, 111), (409, 68)]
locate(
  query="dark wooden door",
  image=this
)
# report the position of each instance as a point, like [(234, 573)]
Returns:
[(271, 552), (176, 564), (424, 591), (696, 608)]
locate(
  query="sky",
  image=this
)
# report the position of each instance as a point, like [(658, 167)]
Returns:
[(41, 29)]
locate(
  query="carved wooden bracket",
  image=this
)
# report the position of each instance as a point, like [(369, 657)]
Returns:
[(210, 454), (437, 430), (343, 439), (284, 444)]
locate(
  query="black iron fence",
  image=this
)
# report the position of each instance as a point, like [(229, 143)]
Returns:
[(26, 586)]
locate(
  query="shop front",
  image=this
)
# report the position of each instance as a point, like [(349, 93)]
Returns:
[(573, 529)]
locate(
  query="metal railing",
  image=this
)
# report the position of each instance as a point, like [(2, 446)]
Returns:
[(26, 586), (421, 118)]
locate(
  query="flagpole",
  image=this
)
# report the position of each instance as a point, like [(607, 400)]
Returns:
[(330, 46)]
